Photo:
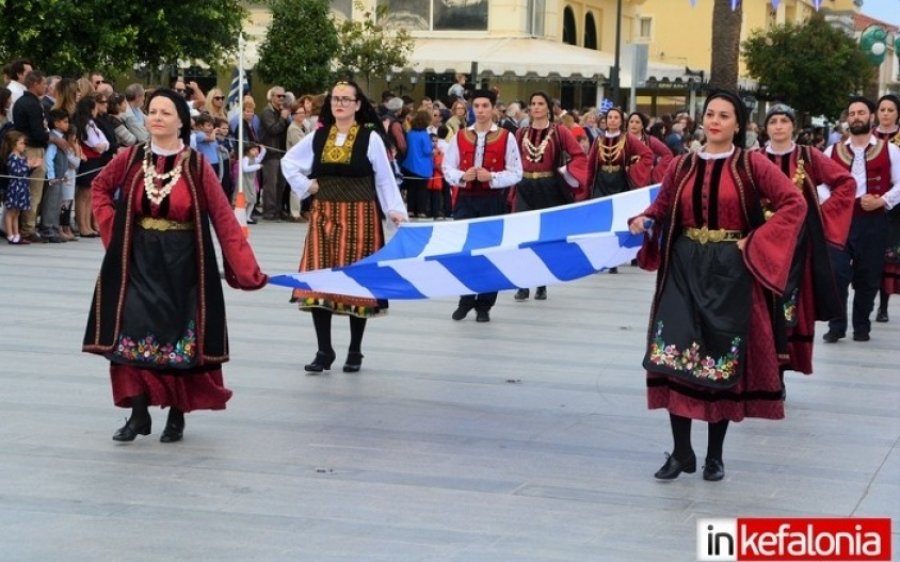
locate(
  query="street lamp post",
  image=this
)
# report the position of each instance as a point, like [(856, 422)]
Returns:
[(614, 71)]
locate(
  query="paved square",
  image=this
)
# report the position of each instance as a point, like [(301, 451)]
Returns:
[(524, 439)]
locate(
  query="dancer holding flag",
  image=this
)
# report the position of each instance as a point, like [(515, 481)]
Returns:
[(553, 163), (158, 312), (710, 350), (344, 163)]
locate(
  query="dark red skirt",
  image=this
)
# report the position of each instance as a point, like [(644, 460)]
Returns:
[(187, 392)]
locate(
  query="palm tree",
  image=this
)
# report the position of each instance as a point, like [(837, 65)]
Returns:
[(726, 44)]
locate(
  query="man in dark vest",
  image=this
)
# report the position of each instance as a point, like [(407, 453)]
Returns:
[(482, 161), (875, 165)]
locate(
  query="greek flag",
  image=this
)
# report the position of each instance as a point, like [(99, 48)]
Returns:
[(527, 249), (233, 103), (606, 105)]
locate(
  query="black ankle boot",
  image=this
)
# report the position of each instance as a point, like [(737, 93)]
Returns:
[(713, 470), (673, 467), (882, 315), (138, 424), (174, 430), (541, 294), (322, 362), (354, 362), (133, 427)]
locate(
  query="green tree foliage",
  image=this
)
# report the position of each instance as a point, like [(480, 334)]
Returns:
[(369, 49), (299, 47), (812, 66), (68, 36)]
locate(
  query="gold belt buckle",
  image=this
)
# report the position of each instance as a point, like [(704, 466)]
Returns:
[(610, 169)]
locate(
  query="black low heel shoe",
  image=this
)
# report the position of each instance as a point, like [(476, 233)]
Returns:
[(354, 362), (132, 429), (673, 467), (713, 470), (174, 430), (322, 362)]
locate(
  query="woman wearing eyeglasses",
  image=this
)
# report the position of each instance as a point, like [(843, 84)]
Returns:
[(345, 164)]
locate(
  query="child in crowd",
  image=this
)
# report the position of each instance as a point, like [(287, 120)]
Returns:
[(448, 194), (60, 191), (18, 196), (436, 183), (251, 163), (220, 126)]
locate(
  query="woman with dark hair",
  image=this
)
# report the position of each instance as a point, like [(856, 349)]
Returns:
[(618, 161), (94, 145), (344, 163), (710, 347), (662, 156), (158, 312), (5, 97), (888, 130), (418, 165), (554, 166)]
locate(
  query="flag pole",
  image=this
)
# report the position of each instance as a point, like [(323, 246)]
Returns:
[(240, 201)]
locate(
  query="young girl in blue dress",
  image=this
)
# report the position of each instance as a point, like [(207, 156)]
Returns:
[(18, 196)]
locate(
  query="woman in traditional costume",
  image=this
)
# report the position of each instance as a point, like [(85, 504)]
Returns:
[(811, 293), (158, 312), (617, 161), (662, 156), (345, 165), (711, 349), (554, 165), (888, 113)]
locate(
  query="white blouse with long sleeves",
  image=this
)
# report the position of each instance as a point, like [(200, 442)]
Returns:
[(297, 164)]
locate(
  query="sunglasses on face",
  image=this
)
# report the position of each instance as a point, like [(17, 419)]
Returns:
[(179, 90), (279, 95), (219, 98)]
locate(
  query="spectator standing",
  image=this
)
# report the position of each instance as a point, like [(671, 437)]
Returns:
[(418, 166), (275, 120), (29, 118), (134, 117), (18, 198), (17, 72)]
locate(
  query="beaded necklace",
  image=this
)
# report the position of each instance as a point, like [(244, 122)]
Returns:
[(535, 153), (158, 186)]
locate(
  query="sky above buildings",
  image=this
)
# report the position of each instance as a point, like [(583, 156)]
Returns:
[(885, 10)]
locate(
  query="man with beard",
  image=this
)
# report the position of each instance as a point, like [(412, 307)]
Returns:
[(875, 166)]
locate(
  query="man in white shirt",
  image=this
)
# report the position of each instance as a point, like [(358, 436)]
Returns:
[(482, 161), (17, 71), (875, 165)]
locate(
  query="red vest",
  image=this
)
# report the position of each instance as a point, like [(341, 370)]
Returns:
[(878, 168), (494, 159)]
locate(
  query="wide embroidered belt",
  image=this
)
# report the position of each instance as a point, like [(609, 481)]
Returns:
[(704, 235), (153, 223), (610, 169), (537, 175), (346, 189)]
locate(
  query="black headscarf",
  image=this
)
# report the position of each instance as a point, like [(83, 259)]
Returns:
[(181, 107), (740, 113)]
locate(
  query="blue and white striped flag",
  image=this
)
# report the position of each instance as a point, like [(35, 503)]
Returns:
[(233, 103), (606, 105), (528, 249)]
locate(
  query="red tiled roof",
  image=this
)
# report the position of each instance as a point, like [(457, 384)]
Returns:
[(861, 22)]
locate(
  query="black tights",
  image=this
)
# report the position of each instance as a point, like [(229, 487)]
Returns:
[(322, 324), (681, 433), (883, 304)]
